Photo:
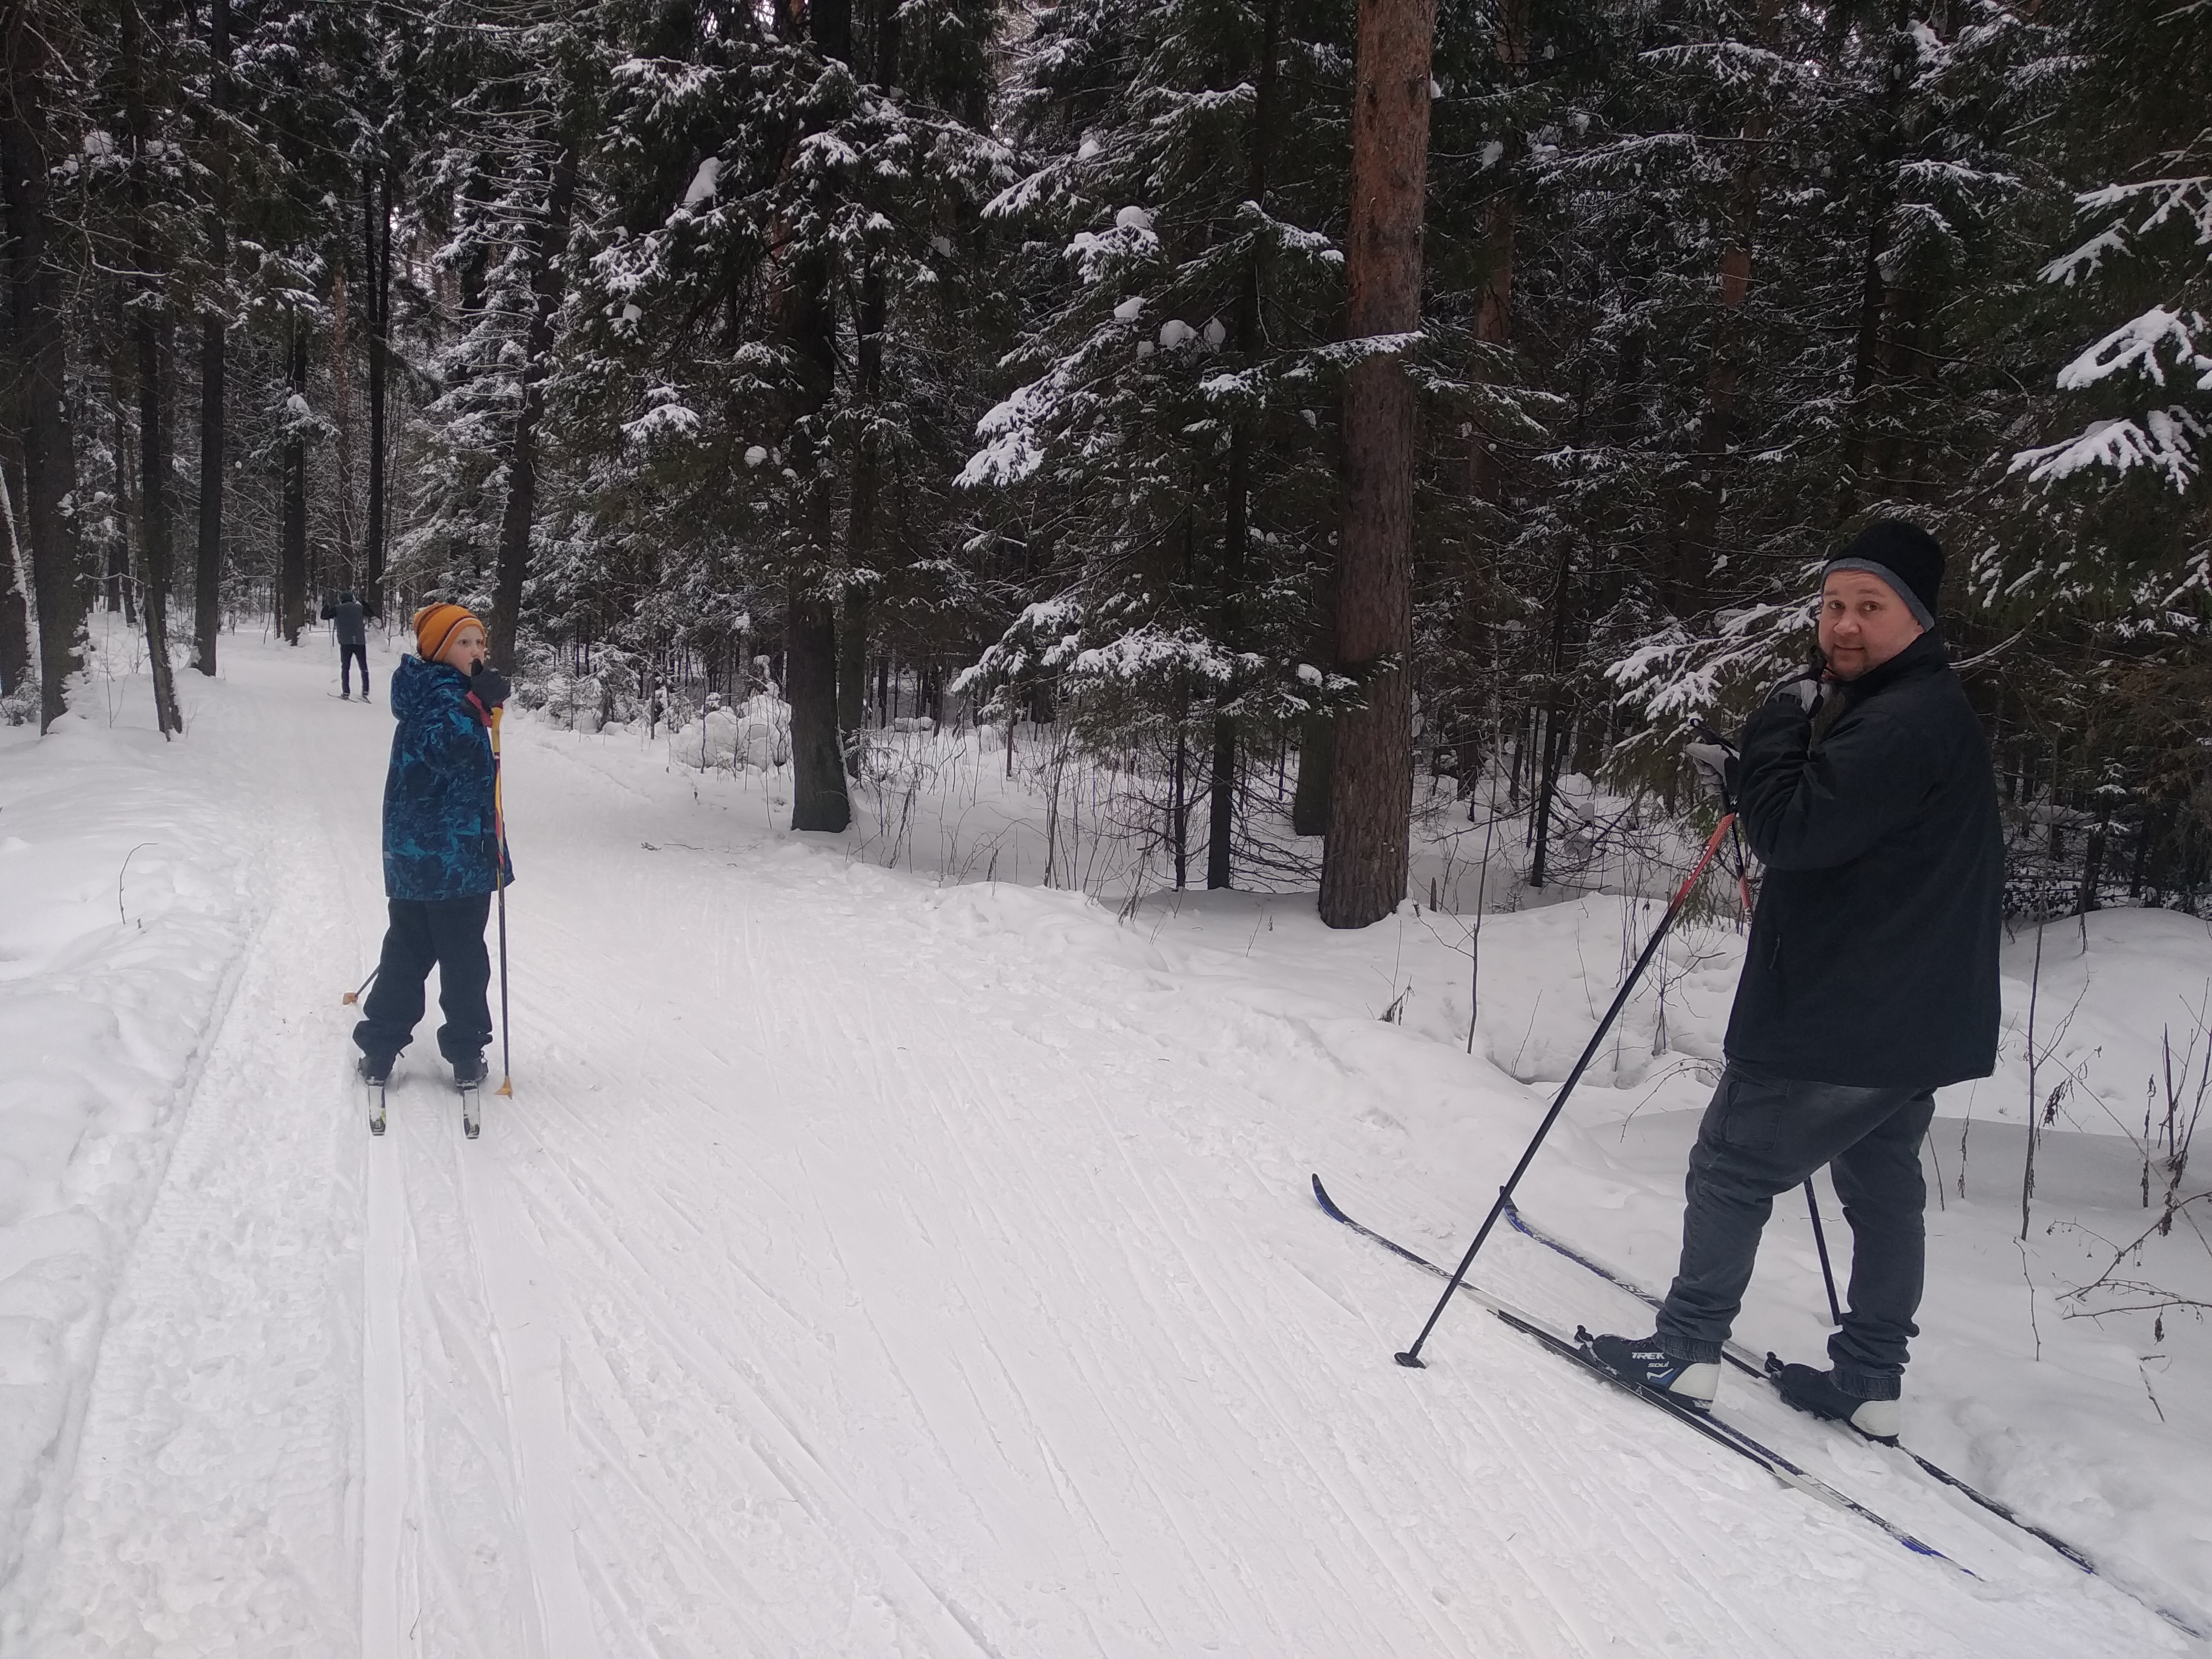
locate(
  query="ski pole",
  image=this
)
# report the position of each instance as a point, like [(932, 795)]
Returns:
[(361, 990), (1820, 1240), (1411, 1357), (499, 835)]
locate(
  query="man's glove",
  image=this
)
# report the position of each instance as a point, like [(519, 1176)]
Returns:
[(1709, 763), (489, 687)]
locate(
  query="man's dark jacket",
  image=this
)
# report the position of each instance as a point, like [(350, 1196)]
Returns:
[(440, 838), (1872, 959), (348, 615)]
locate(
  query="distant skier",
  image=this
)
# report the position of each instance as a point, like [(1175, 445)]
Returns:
[(1870, 980), (350, 624), (442, 859)]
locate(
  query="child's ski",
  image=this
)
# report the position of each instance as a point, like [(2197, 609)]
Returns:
[(1746, 1362), (1715, 1428)]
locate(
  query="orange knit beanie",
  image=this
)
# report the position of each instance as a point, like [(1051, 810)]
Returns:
[(434, 624)]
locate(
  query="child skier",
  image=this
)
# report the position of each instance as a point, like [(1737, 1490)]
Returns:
[(442, 857)]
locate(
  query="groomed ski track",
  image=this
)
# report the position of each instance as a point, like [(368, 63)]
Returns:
[(862, 1268)]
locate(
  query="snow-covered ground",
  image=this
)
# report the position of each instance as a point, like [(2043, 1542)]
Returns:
[(881, 1261)]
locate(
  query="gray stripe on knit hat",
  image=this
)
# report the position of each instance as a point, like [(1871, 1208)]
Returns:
[(1895, 583)]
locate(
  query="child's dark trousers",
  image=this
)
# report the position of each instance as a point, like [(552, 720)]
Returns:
[(449, 933)]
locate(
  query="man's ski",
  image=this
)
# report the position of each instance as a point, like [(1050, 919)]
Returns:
[(375, 1106), (1766, 1370), (471, 1111), (1715, 1428)]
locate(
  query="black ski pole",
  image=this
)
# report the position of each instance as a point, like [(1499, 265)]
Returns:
[(499, 835), (1411, 1357), (1820, 1242)]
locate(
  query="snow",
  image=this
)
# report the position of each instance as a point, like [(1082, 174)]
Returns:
[(703, 183), (901, 1261)]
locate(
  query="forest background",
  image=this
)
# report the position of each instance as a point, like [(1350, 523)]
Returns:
[(1020, 364)]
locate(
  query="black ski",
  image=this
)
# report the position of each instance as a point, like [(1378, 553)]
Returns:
[(1766, 1370), (1716, 1430)]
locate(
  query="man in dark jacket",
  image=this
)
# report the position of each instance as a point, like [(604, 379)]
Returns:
[(1870, 980), (443, 856), (349, 623)]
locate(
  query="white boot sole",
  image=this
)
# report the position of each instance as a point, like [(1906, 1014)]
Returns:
[(1697, 1385), (1879, 1419)]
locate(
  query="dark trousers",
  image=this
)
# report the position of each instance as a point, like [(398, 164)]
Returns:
[(350, 654), (449, 933), (1763, 1136)]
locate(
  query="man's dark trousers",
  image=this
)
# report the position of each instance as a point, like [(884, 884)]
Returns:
[(449, 933), (1764, 1135), (350, 653)]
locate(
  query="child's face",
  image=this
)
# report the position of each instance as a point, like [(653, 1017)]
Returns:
[(465, 649)]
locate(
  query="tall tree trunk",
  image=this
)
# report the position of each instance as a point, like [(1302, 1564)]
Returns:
[(292, 543), (1501, 215), (378, 259), (861, 524), (1869, 348), (1236, 518), (36, 302), (340, 514), (122, 591), (1371, 786), (1699, 518), (15, 661), (522, 449), (1555, 720), (1309, 801), (852, 674), (818, 799), (149, 325), (207, 588)]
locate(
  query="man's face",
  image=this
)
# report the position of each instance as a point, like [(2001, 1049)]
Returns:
[(466, 648), (1863, 623)]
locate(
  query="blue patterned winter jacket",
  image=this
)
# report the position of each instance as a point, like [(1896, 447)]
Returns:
[(440, 841)]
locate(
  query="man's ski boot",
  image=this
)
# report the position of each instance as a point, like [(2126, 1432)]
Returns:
[(1644, 1363), (375, 1075), (468, 1076), (1815, 1391)]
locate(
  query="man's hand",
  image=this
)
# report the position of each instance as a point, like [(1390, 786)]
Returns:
[(489, 687), (1709, 763)]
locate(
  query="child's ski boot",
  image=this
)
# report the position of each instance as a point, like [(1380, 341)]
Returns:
[(375, 1075), (468, 1076)]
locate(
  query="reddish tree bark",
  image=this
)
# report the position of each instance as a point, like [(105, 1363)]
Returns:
[(1371, 792)]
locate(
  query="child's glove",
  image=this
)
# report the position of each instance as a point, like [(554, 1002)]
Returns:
[(489, 687)]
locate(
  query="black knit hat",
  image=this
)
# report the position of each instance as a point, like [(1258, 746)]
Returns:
[(1904, 555)]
